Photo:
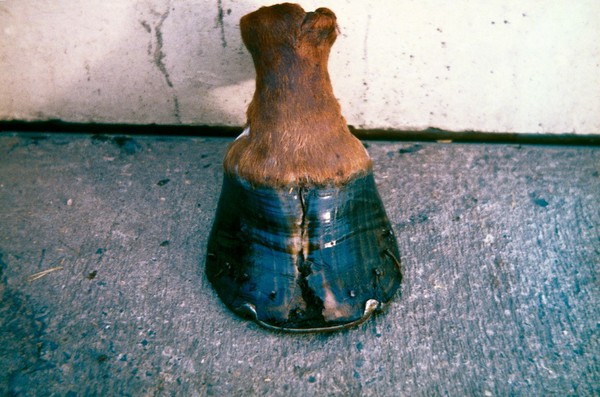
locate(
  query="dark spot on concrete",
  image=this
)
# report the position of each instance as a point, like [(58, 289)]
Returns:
[(35, 139), (129, 145), (99, 251), (42, 256), (144, 342), (206, 165), (92, 275), (537, 200), (99, 138), (413, 220), (410, 149), (102, 358), (499, 262), (165, 243), (359, 346), (163, 182), (419, 218), (312, 379)]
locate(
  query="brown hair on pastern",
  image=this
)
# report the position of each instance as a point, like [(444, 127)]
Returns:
[(296, 132)]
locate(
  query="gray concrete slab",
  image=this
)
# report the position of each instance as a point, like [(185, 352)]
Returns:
[(500, 246)]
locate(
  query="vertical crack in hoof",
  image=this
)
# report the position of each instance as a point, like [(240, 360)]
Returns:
[(313, 312)]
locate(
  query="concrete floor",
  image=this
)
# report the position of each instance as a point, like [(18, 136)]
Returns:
[(500, 246)]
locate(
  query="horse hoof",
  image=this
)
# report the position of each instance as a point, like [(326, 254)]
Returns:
[(303, 258)]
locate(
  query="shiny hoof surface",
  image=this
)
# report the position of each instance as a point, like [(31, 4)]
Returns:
[(303, 259)]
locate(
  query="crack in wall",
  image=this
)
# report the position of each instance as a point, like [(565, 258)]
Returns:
[(366, 71), (220, 22), (158, 55), (176, 108)]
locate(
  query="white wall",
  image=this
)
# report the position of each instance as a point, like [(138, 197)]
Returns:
[(487, 65)]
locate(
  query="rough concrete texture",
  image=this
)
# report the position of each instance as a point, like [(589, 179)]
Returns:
[(507, 66), (500, 246)]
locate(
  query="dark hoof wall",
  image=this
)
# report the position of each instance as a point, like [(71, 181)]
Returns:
[(303, 259)]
